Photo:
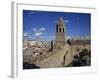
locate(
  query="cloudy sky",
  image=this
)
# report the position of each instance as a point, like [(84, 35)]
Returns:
[(42, 24)]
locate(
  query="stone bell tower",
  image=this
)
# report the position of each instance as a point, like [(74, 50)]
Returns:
[(60, 33)]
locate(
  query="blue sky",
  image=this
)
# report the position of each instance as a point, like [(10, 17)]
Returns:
[(42, 24)]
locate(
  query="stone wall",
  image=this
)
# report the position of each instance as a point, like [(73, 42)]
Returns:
[(68, 55), (56, 60)]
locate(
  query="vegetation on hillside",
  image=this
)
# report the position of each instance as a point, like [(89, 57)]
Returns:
[(83, 59)]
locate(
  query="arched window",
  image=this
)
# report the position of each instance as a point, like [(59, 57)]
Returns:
[(63, 29), (59, 29)]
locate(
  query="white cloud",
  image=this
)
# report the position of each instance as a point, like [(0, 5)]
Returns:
[(39, 30), (31, 37), (31, 12), (66, 21), (34, 29), (25, 34), (88, 37), (42, 29), (37, 34)]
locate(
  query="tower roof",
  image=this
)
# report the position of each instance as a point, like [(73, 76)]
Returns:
[(60, 21)]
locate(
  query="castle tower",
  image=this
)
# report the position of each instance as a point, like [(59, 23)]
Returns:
[(60, 33)]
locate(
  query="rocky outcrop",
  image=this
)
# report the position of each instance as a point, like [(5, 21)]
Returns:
[(59, 59)]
